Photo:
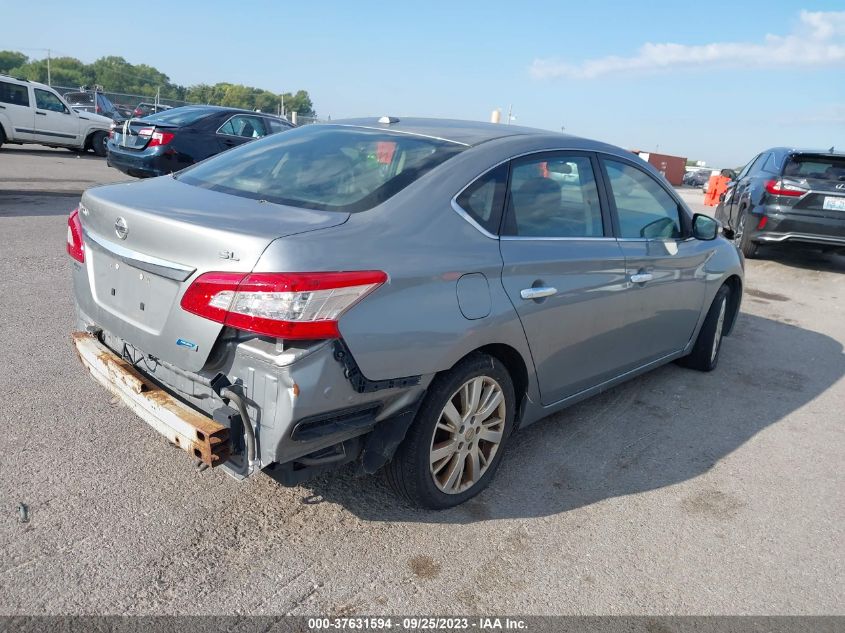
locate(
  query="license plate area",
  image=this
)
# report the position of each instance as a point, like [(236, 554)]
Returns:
[(135, 295), (834, 203)]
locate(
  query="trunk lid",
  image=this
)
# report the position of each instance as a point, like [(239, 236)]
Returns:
[(146, 241), (136, 133)]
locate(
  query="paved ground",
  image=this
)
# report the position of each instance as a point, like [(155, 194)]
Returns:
[(678, 492)]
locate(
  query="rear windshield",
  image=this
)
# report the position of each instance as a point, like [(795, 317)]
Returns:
[(815, 167), (325, 167), (177, 116), (79, 97)]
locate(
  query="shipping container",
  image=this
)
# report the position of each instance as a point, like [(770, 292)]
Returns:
[(672, 167)]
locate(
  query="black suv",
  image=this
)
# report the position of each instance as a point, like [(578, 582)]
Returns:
[(787, 196)]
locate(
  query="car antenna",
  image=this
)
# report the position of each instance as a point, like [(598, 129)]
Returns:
[(831, 149)]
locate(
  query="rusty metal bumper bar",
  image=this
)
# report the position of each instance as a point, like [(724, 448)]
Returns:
[(198, 435)]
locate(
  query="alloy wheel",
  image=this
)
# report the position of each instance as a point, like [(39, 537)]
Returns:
[(717, 335), (467, 435)]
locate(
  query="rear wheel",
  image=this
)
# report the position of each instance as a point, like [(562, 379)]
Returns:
[(98, 143), (455, 445), (705, 352), (742, 237)]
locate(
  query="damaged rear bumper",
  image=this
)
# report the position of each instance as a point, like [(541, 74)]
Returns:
[(199, 436)]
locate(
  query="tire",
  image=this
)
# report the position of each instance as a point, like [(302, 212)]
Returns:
[(708, 345), (98, 143), (743, 239), (2, 136), (460, 473)]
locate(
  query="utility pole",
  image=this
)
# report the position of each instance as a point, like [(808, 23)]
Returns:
[(510, 113), (48, 68)]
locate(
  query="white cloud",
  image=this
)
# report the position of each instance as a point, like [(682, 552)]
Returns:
[(817, 40)]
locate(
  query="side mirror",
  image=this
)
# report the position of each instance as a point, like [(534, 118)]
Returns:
[(728, 173), (704, 227)]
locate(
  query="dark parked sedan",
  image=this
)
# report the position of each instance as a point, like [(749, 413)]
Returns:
[(788, 196), (168, 141)]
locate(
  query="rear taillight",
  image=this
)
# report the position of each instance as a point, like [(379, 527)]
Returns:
[(75, 245), (781, 188), (283, 305), (160, 138)]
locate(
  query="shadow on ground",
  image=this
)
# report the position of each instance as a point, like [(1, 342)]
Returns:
[(50, 153), (19, 203), (805, 258), (660, 429)]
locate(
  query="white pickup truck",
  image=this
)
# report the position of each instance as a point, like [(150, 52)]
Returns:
[(35, 113)]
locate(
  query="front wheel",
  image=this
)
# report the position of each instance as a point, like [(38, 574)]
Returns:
[(456, 442), (98, 143), (705, 352)]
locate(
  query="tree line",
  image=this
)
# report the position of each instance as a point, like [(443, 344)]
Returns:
[(115, 74)]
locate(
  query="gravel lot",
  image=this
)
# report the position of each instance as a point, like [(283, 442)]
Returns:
[(679, 492)]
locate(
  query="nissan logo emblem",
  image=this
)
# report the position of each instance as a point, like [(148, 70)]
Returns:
[(120, 228)]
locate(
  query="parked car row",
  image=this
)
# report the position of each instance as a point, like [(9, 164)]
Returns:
[(787, 196), (404, 294), (98, 103)]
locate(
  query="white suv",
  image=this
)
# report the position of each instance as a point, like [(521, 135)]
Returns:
[(34, 113)]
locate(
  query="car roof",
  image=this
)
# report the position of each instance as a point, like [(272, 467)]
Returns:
[(25, 81), (214, 108), (457, 131), (804, 150)]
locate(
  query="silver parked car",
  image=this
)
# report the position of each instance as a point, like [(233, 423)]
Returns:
[(396, 293)]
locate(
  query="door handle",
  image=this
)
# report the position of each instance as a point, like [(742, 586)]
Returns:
[(641, 278), (537, 293), (41, 113)]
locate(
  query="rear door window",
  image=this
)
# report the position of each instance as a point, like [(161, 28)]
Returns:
[(326, 167), (14, 94), (747, 168), (553, 195), (645, 209), (245, 126)]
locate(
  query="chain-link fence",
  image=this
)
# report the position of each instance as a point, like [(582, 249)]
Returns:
[(127, 100), (131, 101)]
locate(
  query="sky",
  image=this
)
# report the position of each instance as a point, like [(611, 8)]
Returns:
[(714, 81)]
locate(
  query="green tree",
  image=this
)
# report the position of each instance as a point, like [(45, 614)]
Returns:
[(10, 60), (115, 74), (299, 103)]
